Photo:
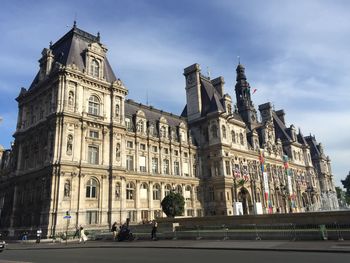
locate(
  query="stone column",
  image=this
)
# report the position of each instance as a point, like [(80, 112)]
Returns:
[(137, 200), (150, 199)]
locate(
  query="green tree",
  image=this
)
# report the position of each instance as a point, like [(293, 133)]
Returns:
[(173, 204), (346, 184)]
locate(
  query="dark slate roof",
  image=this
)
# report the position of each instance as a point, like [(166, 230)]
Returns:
[(301, 138), (280, 128), (70, 49), (315, 152), (211, 99), (152, 114)]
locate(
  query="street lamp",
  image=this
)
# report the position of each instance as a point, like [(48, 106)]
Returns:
[(310, 191)]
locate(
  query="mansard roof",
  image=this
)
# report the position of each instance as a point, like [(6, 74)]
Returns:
[(211, 99), (152, 114), (280, 128), (70, 49), (314, 147)]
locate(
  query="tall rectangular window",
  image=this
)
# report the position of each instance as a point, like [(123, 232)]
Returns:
[(129, 144), (128, 124), (154, 165), (165, 166), (91, 217), (176, 168), (185, 169), (142, 162), (142, 146), (93, 154), (227, 166), (130, 163)]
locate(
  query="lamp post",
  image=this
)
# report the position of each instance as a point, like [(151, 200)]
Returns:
[(309, 190)]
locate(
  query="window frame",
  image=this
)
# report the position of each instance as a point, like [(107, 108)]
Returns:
[(91, 189), (94, 105)]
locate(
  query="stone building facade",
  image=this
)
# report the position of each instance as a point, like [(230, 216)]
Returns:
[(81, 147)]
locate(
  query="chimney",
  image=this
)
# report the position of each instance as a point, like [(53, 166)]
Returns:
[(280, 114), (218, 84)]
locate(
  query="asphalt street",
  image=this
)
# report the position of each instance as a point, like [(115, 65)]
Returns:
[(120, 254), (179, 251)]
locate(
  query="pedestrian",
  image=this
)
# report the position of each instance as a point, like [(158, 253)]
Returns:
[(38, 235), (25, 236), (154, 230), (77, 232), (82, 236), (114, 230)]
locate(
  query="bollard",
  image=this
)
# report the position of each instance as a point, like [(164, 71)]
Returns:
[(323, 231), (175, 237), (337, 227), (226, 232), (198, 234), (257, 237), (294, 234)]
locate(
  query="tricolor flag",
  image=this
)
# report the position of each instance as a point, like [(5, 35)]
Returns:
[(254, 91)]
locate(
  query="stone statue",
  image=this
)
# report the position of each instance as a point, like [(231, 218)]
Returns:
[(67, 189)]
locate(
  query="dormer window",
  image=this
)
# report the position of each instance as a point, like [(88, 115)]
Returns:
[(95, 68)]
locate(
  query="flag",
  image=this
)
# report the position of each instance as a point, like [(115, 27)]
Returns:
[(254, 91)]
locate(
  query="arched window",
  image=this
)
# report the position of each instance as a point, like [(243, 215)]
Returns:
[(163, 132), (130, 191), (95, 68), (178, 189), (214, 131), (140, 126), (156, 192), (143, 191), (94, 105), (233, 136), (241, 138), (117, 191), (167, 189), (188, 193), (223, 131), (91, 188)]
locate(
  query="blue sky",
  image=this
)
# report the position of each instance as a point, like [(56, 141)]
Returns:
[(296, 54)]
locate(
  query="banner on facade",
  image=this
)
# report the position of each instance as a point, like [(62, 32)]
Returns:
[(258, 208), (290, 188), (266, 185), (238, 208)]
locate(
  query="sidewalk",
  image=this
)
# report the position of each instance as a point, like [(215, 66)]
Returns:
[(301, 246)]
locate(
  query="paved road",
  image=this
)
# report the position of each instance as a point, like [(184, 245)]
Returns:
[(163, 255), (180, 251)]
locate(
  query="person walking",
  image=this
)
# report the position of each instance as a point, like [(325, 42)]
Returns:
[(114, 230), (82, 236), (154, 230), (38, 235), (25, 236)]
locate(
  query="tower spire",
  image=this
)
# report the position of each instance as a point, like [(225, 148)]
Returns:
[(244, 103)]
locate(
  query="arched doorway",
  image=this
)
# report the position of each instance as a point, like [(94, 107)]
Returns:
[(245, 198)]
